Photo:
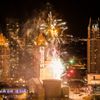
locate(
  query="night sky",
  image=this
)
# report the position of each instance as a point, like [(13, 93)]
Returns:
[(75, 12)]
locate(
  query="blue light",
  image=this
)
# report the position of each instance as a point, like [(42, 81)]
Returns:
[(13, 90)]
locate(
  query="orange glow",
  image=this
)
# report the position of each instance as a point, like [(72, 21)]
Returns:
[(3, 40)]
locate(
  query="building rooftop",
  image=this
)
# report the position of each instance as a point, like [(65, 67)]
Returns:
[(3, 40)]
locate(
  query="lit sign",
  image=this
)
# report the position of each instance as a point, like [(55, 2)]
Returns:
[(13, 90), (94, 79)]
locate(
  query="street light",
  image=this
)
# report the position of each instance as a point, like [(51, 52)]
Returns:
[(71, 61)]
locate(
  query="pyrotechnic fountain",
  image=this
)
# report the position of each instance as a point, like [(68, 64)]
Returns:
[(53, 29)]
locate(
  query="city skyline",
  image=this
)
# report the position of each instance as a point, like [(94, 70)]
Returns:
[(48, 45)]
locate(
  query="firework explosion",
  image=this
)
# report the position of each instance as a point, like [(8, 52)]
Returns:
[(53, 28), (39, 43)]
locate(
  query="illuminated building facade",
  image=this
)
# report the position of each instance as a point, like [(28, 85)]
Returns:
[(23, 56), (12, 30), (4, 58), (93, 46)]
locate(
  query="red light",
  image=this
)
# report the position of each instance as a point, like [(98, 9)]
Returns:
[(71, 71)]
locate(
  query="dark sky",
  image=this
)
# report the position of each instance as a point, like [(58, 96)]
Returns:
[(75, 12)]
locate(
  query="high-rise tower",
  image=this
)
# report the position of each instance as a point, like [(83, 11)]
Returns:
[(12, 31), (93, 46), (4, 58)]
